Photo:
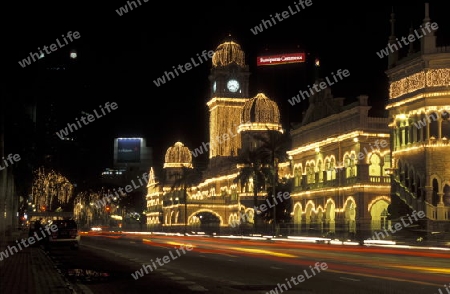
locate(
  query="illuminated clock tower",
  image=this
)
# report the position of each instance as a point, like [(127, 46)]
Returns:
[(229, 78), (419, 111)]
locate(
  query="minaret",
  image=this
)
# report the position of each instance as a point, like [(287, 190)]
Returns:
[(428, 41), (411, 44), (393, 56)]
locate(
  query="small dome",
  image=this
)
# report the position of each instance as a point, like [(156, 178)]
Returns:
[(227, 53), (261, 109), (178, 156)]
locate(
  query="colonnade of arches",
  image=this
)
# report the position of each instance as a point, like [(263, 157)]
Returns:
[(335, 215), (416, 183), (412, 180), (326, 219), (317, 171), (421, 127)]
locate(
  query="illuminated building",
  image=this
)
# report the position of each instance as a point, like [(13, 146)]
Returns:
[(419, 121), (229, 92), (232, 117), (132, 157), (337, 162)]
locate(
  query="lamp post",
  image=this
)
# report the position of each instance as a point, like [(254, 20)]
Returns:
[(275, 174), (339, 168), (171, 212), (185, 211)]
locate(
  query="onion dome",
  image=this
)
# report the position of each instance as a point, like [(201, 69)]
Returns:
[(260, 113), (261, 109), (227, 53), (178, 156)]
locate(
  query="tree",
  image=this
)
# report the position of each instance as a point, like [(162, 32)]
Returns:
[(50, 190), (252, 167), (187, 177), (272, 149)]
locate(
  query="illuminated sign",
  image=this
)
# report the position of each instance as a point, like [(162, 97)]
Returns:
[(129, 150), (280, 59)]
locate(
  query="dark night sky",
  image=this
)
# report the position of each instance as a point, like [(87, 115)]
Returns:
[(120, 56)]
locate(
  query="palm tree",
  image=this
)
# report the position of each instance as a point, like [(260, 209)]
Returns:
[(272, 149), (184, 179), (252, 167)]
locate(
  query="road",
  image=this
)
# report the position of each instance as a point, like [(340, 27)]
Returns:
[(188, 264)]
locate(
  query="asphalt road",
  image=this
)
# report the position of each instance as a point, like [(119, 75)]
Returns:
[(108, 263)]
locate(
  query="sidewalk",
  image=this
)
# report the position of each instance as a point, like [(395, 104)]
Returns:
[(31, 271)]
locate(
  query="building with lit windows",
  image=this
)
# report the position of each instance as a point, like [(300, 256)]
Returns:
[(351, 173), (338, 174), (338, 160), (419, 121), (233, 117), (132, 157)]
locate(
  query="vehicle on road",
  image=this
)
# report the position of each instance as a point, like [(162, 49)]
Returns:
[(66, 235)]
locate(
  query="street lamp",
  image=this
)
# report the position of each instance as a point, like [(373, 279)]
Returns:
[(339, 170), (275, 174), (185, 211), (171, 212)]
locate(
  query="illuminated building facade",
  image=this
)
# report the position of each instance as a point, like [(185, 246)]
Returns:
[(229, 78), (420, 129), (233, 118), (338, 161)]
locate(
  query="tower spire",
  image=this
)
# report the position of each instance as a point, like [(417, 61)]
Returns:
[(411, 45), (428, 42), (393, 57)]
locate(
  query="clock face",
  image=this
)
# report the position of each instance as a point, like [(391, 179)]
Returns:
[(233, 85), (214, 87)]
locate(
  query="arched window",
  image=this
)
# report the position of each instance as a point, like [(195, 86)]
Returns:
[(433, 122), (330, 168), (350, 166), (435, 196), (445, 128), (333, 169), (320, 170), (310, 175), (375, 168), (297, 176), (387, 162)]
